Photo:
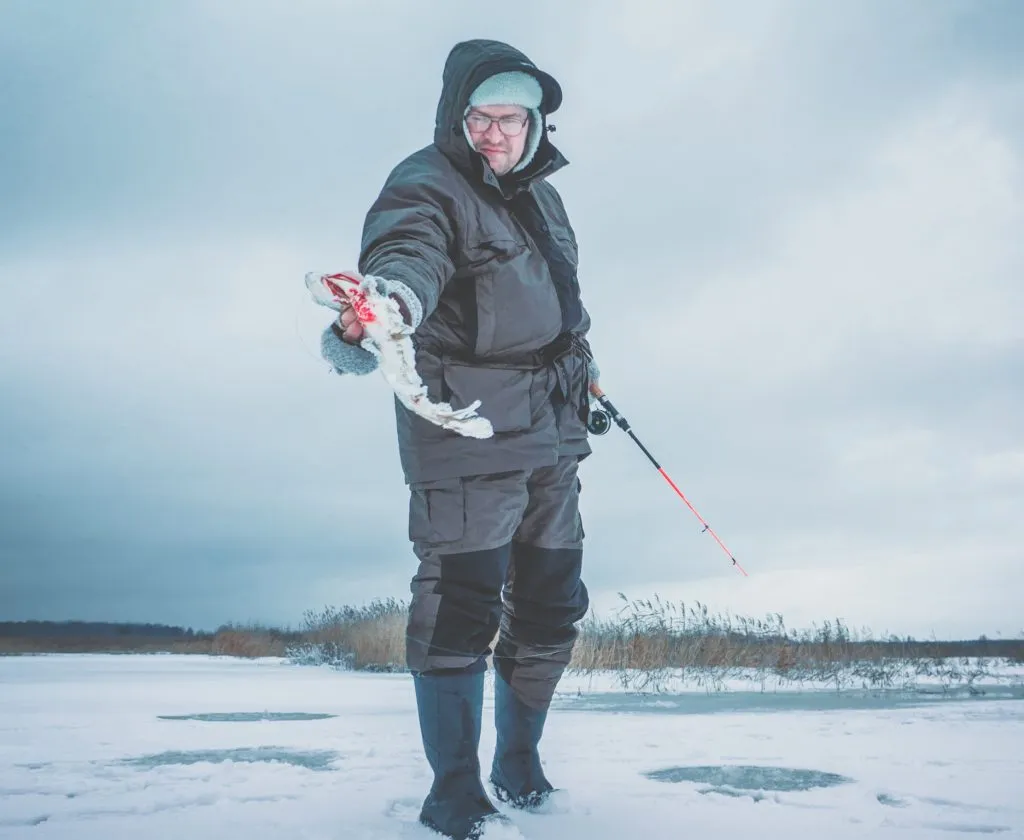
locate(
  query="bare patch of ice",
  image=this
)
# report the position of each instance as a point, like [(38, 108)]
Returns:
[(309, 759), (248, 717), (742, 777)]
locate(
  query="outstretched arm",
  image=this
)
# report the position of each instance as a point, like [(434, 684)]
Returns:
[(407, 239)]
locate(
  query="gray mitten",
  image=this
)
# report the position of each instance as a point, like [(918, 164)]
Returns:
[(345, 357)]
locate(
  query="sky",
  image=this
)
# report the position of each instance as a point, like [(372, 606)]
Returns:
[(800, 241)]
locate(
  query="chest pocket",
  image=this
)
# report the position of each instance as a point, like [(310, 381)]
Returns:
[(565, 242), (488, 255)]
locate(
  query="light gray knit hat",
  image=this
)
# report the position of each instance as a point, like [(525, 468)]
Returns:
[(513, 88)]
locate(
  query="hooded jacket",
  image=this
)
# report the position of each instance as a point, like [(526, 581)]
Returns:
[(493, 264)]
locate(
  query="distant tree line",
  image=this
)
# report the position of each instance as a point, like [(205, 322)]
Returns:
[(20, 637), (93, 629)]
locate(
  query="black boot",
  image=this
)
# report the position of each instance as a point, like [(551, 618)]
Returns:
[(516, 772), (450, 711)]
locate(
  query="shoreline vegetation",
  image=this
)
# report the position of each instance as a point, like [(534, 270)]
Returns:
[(648, 644)]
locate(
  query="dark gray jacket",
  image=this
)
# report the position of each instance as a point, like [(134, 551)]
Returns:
[(493, 261)]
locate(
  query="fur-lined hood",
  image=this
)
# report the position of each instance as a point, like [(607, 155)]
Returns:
[(468, 65)]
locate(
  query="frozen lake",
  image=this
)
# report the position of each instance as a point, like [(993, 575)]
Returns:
[(119, 747)]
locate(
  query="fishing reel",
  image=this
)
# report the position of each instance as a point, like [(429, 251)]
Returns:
[(599, 421)]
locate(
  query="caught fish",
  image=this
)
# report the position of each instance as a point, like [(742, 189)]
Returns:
[(388, 337)]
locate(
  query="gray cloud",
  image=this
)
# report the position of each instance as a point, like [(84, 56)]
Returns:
[(800, 242)]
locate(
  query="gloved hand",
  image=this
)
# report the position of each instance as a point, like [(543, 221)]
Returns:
[(343, 343), (345, 357)]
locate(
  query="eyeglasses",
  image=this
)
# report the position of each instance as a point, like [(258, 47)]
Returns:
[(510, 126)]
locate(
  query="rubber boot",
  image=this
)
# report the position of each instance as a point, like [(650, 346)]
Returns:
[(516, 773), (450, 710)]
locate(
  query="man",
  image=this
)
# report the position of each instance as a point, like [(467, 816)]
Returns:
[(473, 242)]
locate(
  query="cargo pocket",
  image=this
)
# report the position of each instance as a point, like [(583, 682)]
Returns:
[(437, 511), (504, 394)]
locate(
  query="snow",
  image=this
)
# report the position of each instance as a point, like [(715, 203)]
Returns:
[(161, 746)]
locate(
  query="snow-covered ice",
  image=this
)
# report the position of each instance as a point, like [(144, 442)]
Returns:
[(162, 746)]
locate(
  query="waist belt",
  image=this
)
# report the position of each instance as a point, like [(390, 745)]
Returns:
[(528, 360), (572, 383)]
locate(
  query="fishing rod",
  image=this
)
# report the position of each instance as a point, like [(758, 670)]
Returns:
[(600, 422)]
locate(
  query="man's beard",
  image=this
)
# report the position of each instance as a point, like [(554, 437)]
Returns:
[(506, 157)]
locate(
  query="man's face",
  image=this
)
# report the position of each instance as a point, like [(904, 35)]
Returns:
[(503, 149)]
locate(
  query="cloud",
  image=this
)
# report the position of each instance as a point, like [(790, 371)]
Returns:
[(917, 256), (940, 592)]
